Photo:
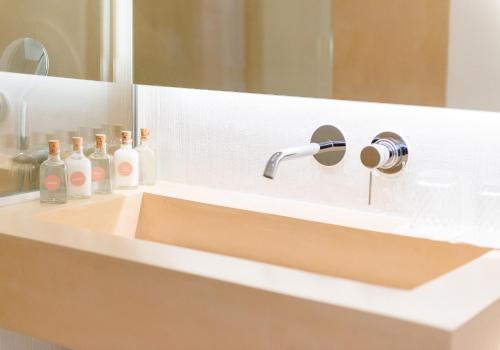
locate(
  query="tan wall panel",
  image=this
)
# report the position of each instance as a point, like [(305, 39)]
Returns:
[(271, 46), (288, 47), (192, 43), (167, 46), (391, 51)]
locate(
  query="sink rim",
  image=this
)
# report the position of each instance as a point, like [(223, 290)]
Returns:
[(406, 305)]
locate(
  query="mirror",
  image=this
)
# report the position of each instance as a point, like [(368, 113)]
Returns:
[(426, 52), (265, 46), (429, 52), (80, 39), (75, 36), (27, 56)]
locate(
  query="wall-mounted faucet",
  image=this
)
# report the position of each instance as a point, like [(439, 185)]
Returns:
[(327, 145), (388, 153)]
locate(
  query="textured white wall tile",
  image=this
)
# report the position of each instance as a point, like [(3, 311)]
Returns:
[(223, 140)]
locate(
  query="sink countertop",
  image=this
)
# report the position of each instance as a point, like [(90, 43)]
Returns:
[(446, 303)]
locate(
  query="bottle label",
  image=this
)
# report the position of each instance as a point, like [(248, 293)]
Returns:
[(98, 173), (125, 168), (52, 182), (77, 178)]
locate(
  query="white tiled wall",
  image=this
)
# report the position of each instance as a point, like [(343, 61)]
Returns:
[(223, 140)]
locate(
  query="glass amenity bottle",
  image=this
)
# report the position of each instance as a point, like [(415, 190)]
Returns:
[(53, 177), (147, 160), (101, 166), (126, 164), (78, 172)]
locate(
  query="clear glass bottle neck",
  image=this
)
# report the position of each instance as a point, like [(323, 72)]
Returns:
[(101, 151), (126, 145), (144, 142), (55, 156)]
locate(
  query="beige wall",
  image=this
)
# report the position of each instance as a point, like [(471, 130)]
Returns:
[(237, 45), (385, 51), (289, 47), (193, 43), (391, 51), (166, 45)]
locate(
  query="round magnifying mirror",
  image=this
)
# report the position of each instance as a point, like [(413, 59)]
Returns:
[(27, 56)]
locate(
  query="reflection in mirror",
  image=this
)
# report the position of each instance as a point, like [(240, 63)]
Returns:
[(428, 52), (76, 34), (25, 55), (81, 39), (265, 46)]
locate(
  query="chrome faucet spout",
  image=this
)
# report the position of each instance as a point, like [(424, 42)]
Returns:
[(272, 165), (288, 153), (327, 145)]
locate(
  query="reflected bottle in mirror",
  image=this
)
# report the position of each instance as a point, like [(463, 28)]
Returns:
[(115, 138), (53, 177)]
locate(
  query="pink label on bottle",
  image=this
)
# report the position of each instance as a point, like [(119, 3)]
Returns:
[(125, 168), (77, 178), (52, 182), (98, 173)]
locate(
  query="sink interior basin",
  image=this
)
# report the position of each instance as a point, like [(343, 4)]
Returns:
[(371, 257)]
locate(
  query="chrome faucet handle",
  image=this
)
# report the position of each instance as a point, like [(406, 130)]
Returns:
[(388, 153)]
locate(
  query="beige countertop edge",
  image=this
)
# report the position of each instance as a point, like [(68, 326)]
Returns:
[(436, 303)]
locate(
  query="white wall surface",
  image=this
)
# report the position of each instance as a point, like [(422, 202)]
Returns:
[(62, 104), (223, 140), (52, 102), (474, 55)]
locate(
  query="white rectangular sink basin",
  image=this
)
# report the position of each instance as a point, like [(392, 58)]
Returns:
[(376, 258)]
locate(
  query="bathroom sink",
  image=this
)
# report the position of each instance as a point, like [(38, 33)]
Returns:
[(371, 257)]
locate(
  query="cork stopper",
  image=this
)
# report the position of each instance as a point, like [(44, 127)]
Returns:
[(77, 143), (53, 147), (126, 137), (144, 134), (100, 141)]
